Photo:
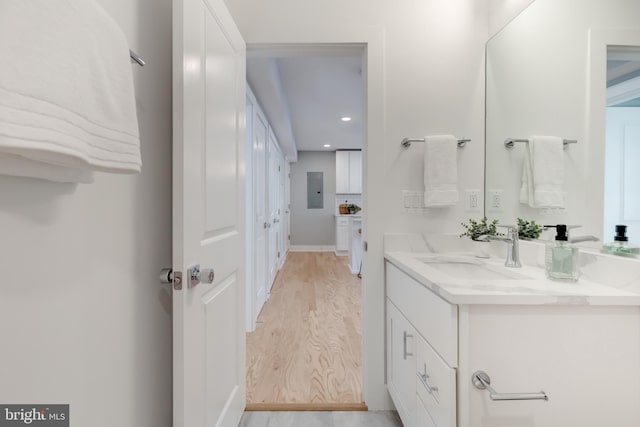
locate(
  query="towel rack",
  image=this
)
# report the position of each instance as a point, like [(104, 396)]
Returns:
[(481, 381), (510, 141), (406, 143), (136, 58)]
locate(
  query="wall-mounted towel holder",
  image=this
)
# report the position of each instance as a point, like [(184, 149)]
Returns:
[(509, 142), (482, 381), (135, 57), (406, 143)]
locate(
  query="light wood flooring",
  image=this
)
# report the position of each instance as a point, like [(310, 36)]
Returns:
[(307, 346)]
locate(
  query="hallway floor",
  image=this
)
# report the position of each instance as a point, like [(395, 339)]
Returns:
[(307, 346), (321, 419)]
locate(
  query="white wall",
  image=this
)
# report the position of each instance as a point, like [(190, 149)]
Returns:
[(501, 12), (313, 227), (539, 83), (83, 318), (424, 75)]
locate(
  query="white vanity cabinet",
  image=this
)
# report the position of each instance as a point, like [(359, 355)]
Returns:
[(584, 356), (421, 351)]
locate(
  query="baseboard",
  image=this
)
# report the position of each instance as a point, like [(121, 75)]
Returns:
[(306, 407), (311, 248)]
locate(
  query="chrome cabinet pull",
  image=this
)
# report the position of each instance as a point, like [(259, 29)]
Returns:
[(405, 353), (423, 379), (482, 381)]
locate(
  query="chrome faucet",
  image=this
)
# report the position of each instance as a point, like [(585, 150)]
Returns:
[(513, 249)]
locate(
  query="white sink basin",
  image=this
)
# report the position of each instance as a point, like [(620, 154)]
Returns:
[(471, 268)]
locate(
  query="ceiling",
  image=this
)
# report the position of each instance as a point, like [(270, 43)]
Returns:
[(305, 97)]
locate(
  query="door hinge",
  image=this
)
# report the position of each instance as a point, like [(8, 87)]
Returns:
[(278, 168)]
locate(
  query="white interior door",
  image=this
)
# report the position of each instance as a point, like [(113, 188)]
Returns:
[(261, 222), (208, 215), (622, 152), (274, 208), (287, 206)]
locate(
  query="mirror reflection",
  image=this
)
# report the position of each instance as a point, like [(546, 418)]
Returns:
[(547, 76)]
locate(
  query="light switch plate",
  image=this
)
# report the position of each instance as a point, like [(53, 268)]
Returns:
[(473, 201)]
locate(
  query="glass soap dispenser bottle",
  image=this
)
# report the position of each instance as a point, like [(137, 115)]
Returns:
[(620, 245), (561, 258)]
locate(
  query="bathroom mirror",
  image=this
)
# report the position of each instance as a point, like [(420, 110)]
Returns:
[(546, 74)]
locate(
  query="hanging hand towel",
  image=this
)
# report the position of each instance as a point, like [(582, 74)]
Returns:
[(66, 91), (543, 173), (440, 171)]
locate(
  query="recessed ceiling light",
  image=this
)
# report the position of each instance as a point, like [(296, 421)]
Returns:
[(327, 145), (346, 119)]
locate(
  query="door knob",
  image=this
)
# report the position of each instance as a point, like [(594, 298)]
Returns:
[(208, 275)]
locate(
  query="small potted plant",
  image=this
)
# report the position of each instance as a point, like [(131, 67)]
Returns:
[(528, 229), (475, 229)]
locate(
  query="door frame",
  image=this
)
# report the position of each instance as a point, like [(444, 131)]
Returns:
[(369, 43)]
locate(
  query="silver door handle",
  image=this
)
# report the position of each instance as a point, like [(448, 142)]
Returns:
[(482, 381), (275, 221), (208, 275), (405, 353)]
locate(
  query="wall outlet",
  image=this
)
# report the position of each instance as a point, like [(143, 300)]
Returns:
[(494, 199), (472, 200)]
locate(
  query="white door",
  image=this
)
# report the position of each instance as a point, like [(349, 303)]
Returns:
[(287, 206), (274, 208), (208, 211), (622, 175), (261, 221)]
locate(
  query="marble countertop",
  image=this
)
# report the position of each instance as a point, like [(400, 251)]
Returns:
[(355, 216), (518, 286)]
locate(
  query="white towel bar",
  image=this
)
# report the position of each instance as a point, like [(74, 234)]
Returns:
[(509, 142), (406, 143)]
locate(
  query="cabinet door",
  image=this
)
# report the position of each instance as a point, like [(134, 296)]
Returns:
[(401, 364), (436, 385), (342, 234), (342, 172), (355, 171), (423, 419)]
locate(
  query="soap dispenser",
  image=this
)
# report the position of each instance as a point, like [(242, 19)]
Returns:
[(561, 258), (620, 245)]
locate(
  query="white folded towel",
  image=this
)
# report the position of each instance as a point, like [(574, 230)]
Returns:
[(66, 91), (440, 171), (543, 173)]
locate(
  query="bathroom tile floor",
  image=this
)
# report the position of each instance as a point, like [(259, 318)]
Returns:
[(321, 419)]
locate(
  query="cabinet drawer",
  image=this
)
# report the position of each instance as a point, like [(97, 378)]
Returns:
[(423, 419), (434, 318), (342, 221), (436, 385)]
